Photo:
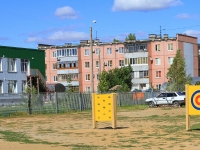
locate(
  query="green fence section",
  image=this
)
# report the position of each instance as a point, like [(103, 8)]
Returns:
[(63, 102)]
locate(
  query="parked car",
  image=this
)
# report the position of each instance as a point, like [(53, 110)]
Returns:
[(167, 98)]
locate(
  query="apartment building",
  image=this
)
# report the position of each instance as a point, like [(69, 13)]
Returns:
[(150, 59), (62, 64), (19, 68), (136, 55), (162, 51), (106, 56)]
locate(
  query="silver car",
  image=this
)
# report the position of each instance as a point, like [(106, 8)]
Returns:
[(167, 98)]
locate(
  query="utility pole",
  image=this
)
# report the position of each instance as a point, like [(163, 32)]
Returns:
[(91, 62)]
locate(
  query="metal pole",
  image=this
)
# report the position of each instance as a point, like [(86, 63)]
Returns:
[(91, 62)]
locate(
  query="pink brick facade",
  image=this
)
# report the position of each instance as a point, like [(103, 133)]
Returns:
[(160, 55)]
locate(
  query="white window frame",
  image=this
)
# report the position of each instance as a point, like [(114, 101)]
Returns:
[(87, 64), (54, 66), (87, 77), (54, 54), (24, 86), (97, 51), (24, 65), (157, 61), (170, 60), (97, 64), (98, 76), (12, 86), (87, 89), (170, 47), (158, 86), (109, 51), (121, 50), (86, 52), (110, 63), (55, 79), (11, 65), (121, 63), (157, 47), (158, 75)]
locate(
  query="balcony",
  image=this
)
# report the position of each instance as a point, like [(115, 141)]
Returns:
[(140, 80), (67, 71)]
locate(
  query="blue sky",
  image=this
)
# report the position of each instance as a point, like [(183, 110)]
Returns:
[(26, 23)]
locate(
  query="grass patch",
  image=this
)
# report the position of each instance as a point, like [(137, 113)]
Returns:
[(21, 137), (132, 108), (82, 147)]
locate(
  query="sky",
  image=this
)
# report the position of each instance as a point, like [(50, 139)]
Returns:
[(27, 23)]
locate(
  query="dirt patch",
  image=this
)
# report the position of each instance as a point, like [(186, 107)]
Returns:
[(153, 128)]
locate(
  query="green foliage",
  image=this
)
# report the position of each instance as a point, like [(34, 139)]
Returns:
[(197, 83), (176, 74), (130, 37), (117, 76), (115, 40)]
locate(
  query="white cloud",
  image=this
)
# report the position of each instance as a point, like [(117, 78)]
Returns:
[(186, 16), (66, 13), (59, 37), (194, 33), (143, 5)]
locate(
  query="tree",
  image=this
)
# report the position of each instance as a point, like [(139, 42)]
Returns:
[(176, 74), (130, 37), (117, 76), (115, 40), (103, 85)]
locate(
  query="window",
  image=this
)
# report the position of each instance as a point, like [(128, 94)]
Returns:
[(12, 86), (97, 64), (157, 61), (46, 78), (121, 50), (11, 64), (54, 66), (54, 54), (66, 52), (126, 61), (24, 65), (54, 78), (170, 60), (87, 77), (110, 63), (45, 66), (121, 63), (140, 74), (109, 50), (170, 46), (87, 64), (158, 74), (0, 64), (87, 52), (97, 51), (97, 76), (158, 87), (45, 54), (87, 89), (157, 47), (1, 86), (24, 86)]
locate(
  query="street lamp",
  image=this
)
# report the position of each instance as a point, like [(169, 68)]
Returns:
[(91, 60)]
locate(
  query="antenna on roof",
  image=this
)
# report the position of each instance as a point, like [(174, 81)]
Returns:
[(160, 31)]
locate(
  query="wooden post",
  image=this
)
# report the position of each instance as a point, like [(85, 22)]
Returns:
[(187, 108), (93, 112), (114, 118)]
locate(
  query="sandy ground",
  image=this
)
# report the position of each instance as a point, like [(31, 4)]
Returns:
[(153, 128)]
